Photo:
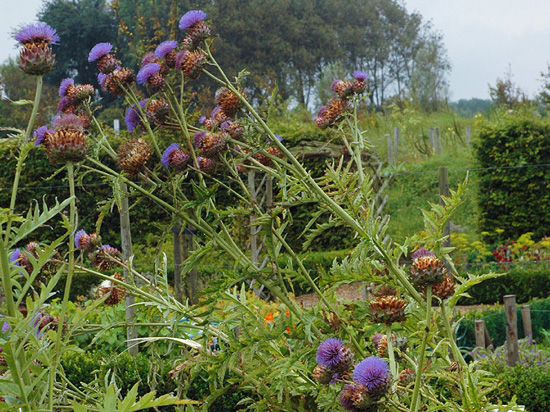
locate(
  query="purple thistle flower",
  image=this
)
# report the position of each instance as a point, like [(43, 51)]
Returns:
[(349, 394), (37, 33), (15, 256), (148, 58), (64, 103), (147, 71), (191, 18), (78, 238), (179, 58), (215, 111), (373, 373), (198, 136), (165, 159), (99, 50), (321, 111), (64, 85), (68, 121), (421, 252), (102, 79), (6, 327), (132, 118), (360, 75), (329, 353), (39, 134), (202, 119), (165, 47), (279, 138), (334, 84)]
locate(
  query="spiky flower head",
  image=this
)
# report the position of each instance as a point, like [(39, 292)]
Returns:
[(64, 85), (165, 47), (132, 116), (36, 59), (360, 75), (37, 33), (115, 291), (81, 239), (228, 101), (39, 134), (334, 355), (191, 63), (99, 50), (374, 374), (121, 77), (67, 142), (355, 398), (207, 165), (175, 158), (132, 155), (191, 18), (445, 289), (322, 374), (376, 339), (343, 89), (150, 74), (212, 144), (103, 258), (388, 309), (14, 257), (156, 111), (421, 252), (406, 376), (427, 270), (235, 130), (197, 138)]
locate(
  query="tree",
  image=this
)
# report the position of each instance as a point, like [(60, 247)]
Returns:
[(506, 93), (81, 24)]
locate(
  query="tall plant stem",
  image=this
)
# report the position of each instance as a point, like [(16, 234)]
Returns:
[(34, 112), (420, 365), (391, 354), (70, 272)]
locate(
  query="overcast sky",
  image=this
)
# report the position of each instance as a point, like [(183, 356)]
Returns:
[(483, 39)]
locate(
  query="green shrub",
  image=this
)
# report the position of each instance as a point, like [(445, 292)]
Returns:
[(81, 366), (529, 384), (199, 390), (512, 197), (525, 281)]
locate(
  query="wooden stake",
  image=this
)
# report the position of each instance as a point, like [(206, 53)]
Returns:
[(511, 329), (126, 243), (480, 333), (437, 140), (526, 318), (391, 159), (396, 141), (468, 134)]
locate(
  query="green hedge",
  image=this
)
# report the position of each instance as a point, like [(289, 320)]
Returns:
[(513, 152), (495, 324), (529, 384), (527, 282)]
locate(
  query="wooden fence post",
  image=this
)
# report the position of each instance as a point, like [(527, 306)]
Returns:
[(126, 243), (526, 318), (432, 137), (116, 127), (444, 191), (395, 141), (391, 159), (437, 140), (468, 134), (480, 333), (510, 312)]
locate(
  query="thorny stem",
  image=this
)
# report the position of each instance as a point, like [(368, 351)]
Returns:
[(416, 398), (70, 272)]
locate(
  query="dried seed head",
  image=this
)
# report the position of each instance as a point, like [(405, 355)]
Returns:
[(103, 257), (116, 291), (427, 270), (388, 310), (207, 165), (212, 144), (132, 156)]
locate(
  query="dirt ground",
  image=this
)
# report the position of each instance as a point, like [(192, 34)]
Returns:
[(355, 291)]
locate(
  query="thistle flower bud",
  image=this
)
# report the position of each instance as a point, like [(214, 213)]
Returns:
[(36, 58), (355, 398), (322, 374), (67, 143), (445, 289), (334, 355), (228, 101), (427, 270), (343, 89), (156, 111), (132, 156), (175, 158), (103, 257), (212, 144), (191, 63), (116, 291), (235, 130), (406, 376), (114, 82), (207, 165), (388, 309)]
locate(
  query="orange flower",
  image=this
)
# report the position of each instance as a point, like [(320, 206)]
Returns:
[(287, 313), (288, 330), (269, 317)]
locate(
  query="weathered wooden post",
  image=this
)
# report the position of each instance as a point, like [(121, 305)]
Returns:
[(437, 140), (526, 318), (126, 244), (391, 159), (468, 134), (511, 329), (432, 137), (396, 141), (480, 333), (444, 191)]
